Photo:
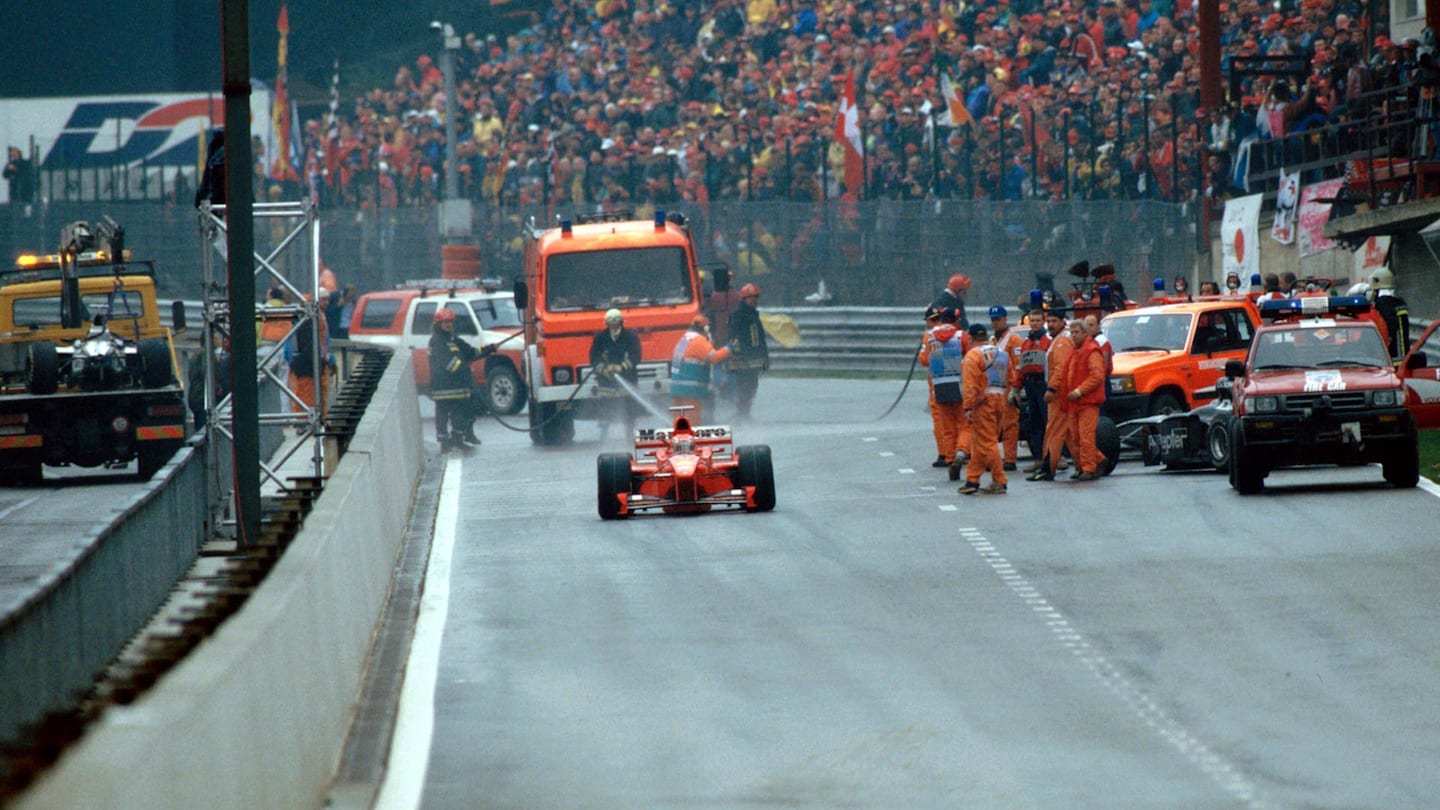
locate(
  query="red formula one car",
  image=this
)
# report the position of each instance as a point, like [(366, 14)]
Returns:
[(685, 470)]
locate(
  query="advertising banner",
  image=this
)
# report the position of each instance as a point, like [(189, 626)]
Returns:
[(153, 130), (1239, 237)]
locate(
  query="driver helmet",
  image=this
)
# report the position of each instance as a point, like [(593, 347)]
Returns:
[(1232, 281)]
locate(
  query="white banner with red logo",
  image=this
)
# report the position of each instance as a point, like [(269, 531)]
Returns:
[(1240, 236)]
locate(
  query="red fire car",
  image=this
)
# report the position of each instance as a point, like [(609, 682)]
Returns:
[(685, 470)]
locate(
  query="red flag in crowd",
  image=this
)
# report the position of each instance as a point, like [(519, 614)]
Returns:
[(282, 166), (847, 133)]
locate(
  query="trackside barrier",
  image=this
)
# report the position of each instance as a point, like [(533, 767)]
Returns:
[(95, 599), (857, 339), (257, 715)]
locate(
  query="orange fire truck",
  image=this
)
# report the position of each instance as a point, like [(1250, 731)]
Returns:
[(572, 274)]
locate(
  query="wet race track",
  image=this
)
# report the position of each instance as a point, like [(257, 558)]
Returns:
[(1149, 640)]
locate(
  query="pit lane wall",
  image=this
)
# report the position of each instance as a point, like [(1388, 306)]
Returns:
[(257, 715)]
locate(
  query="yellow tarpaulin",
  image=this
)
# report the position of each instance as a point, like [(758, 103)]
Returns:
[(781, 328)]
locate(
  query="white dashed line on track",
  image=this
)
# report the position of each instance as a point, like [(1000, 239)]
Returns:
[(1223, 773)]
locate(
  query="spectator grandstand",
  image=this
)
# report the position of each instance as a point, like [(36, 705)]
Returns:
[(625, 102)]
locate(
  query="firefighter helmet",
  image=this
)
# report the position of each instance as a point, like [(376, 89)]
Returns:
[(445, 316)]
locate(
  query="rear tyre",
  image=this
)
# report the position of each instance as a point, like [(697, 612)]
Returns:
[(154, 362), (755, 469), (1402, 466), (1107, 441), (42, 369), (504, 393), (612, 472)]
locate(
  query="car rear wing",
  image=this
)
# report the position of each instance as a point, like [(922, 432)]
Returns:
[(715, 437)]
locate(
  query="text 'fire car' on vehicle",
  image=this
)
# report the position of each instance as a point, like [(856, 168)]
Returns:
[(685, 470), (1318, 387)]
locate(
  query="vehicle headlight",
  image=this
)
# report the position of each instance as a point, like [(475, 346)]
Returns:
[(1122, 384), (1264, 404), (1388, 398)]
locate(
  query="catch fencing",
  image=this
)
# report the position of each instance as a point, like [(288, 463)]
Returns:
[(874, 253)]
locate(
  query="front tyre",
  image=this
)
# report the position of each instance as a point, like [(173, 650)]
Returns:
[(755, 469), (1402, 465), (504, 393), (612, 472), (42, 369), (1246, 474), (1217, 440)]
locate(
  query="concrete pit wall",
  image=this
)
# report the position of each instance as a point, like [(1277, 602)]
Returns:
[(257, 715)]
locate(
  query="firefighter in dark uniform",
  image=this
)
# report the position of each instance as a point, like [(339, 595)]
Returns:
[(1393, 309), (749, 354), (614, 356), (450, 382)]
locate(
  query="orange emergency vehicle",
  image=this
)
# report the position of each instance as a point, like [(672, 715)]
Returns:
[(575, 272), (1167, 358)]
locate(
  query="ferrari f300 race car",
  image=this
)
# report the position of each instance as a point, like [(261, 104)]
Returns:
[(685, 470)]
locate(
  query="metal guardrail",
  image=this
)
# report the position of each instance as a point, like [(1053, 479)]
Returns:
[(841, 340)]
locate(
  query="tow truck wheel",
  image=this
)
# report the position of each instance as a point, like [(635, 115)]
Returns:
[(1107, 441), (154, 362), (504, 393), (1246, 476), (613, 480), (42, 369), (755, 469), (1217, 439), (1402, 466)]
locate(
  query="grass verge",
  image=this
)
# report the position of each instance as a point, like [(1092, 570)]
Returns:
[(1430, 454)]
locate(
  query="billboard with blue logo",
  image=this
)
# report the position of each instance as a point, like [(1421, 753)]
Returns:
[(101, 141)]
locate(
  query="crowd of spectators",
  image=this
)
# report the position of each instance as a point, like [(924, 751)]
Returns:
[(625, 102)]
